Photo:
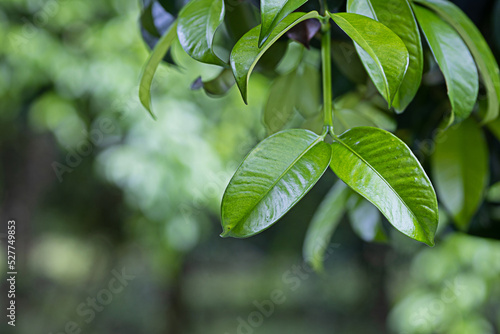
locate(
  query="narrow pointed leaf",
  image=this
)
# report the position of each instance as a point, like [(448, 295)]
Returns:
[(154, 60), (388, 54), (246, 53), (365, 220), (454, 60), (460, 170), (323, 225), (382, 169), (271, 180), (273, 12), (198, 22), (398, 16), (485, 60)]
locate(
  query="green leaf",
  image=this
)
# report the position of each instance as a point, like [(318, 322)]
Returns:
[(485, 60), (280, 105), (246, 53), (323, 225), (309, 98), (217, 86), (154, 61), (351, 111), (271, 180), (273, 12), (397, 15), (382, 169), (494, 193), (460, 170), (454, 60), (365, 220), (494, 127), (388, 54), (198, 22)]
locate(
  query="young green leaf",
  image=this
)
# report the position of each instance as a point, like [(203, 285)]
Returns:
[(198, 22), (454, 60), (381, 168), (365, 219), (246, 53), (273, 12), (460, 170), (323, 225), (271, 180), (154, 61), (388, 54), (397, 15), (485, 60)]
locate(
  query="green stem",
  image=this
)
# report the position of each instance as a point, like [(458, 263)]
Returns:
[(326, 56)]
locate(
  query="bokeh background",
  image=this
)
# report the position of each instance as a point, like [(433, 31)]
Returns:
[(100, 190)]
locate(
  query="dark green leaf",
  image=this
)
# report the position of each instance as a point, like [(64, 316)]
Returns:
[(154, 60), (485, 60), (494, 127), (494, 193), (460, 170), (382, 169), (198, 22), (323, 225), (347, 60), (272, 13), (365, 219), (271, 180), (454, 60), (246, 53), (217, 86), (388, 54), (397, 15)]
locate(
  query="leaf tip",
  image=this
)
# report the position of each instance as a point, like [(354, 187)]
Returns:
[(225, 233)]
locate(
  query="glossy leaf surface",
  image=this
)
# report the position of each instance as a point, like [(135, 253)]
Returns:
[(485, 60), (382, 169), (246, 53), (454, 60), (154, 60), (271, 180), (387, 51), (273, 12), (398, 16), (460, 170), (324, 223), (198, 22)]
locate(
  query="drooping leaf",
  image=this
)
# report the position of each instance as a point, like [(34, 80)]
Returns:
[(272, 12), (271, 180), (246, 53), (154, 60), (217, 86), (388, 53), (365, 219), (460, 170), (454, 60), (382, 169), (198, 22), (398, 16), (155, 20), (323, 225), (485, 60)]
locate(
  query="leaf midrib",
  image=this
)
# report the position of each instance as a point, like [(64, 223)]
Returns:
[(383, 179), (277, 180)]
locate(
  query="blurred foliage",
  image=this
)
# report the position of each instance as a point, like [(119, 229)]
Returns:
[(144, 196)]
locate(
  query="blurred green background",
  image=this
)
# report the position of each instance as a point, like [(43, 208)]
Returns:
[(101, 192)]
